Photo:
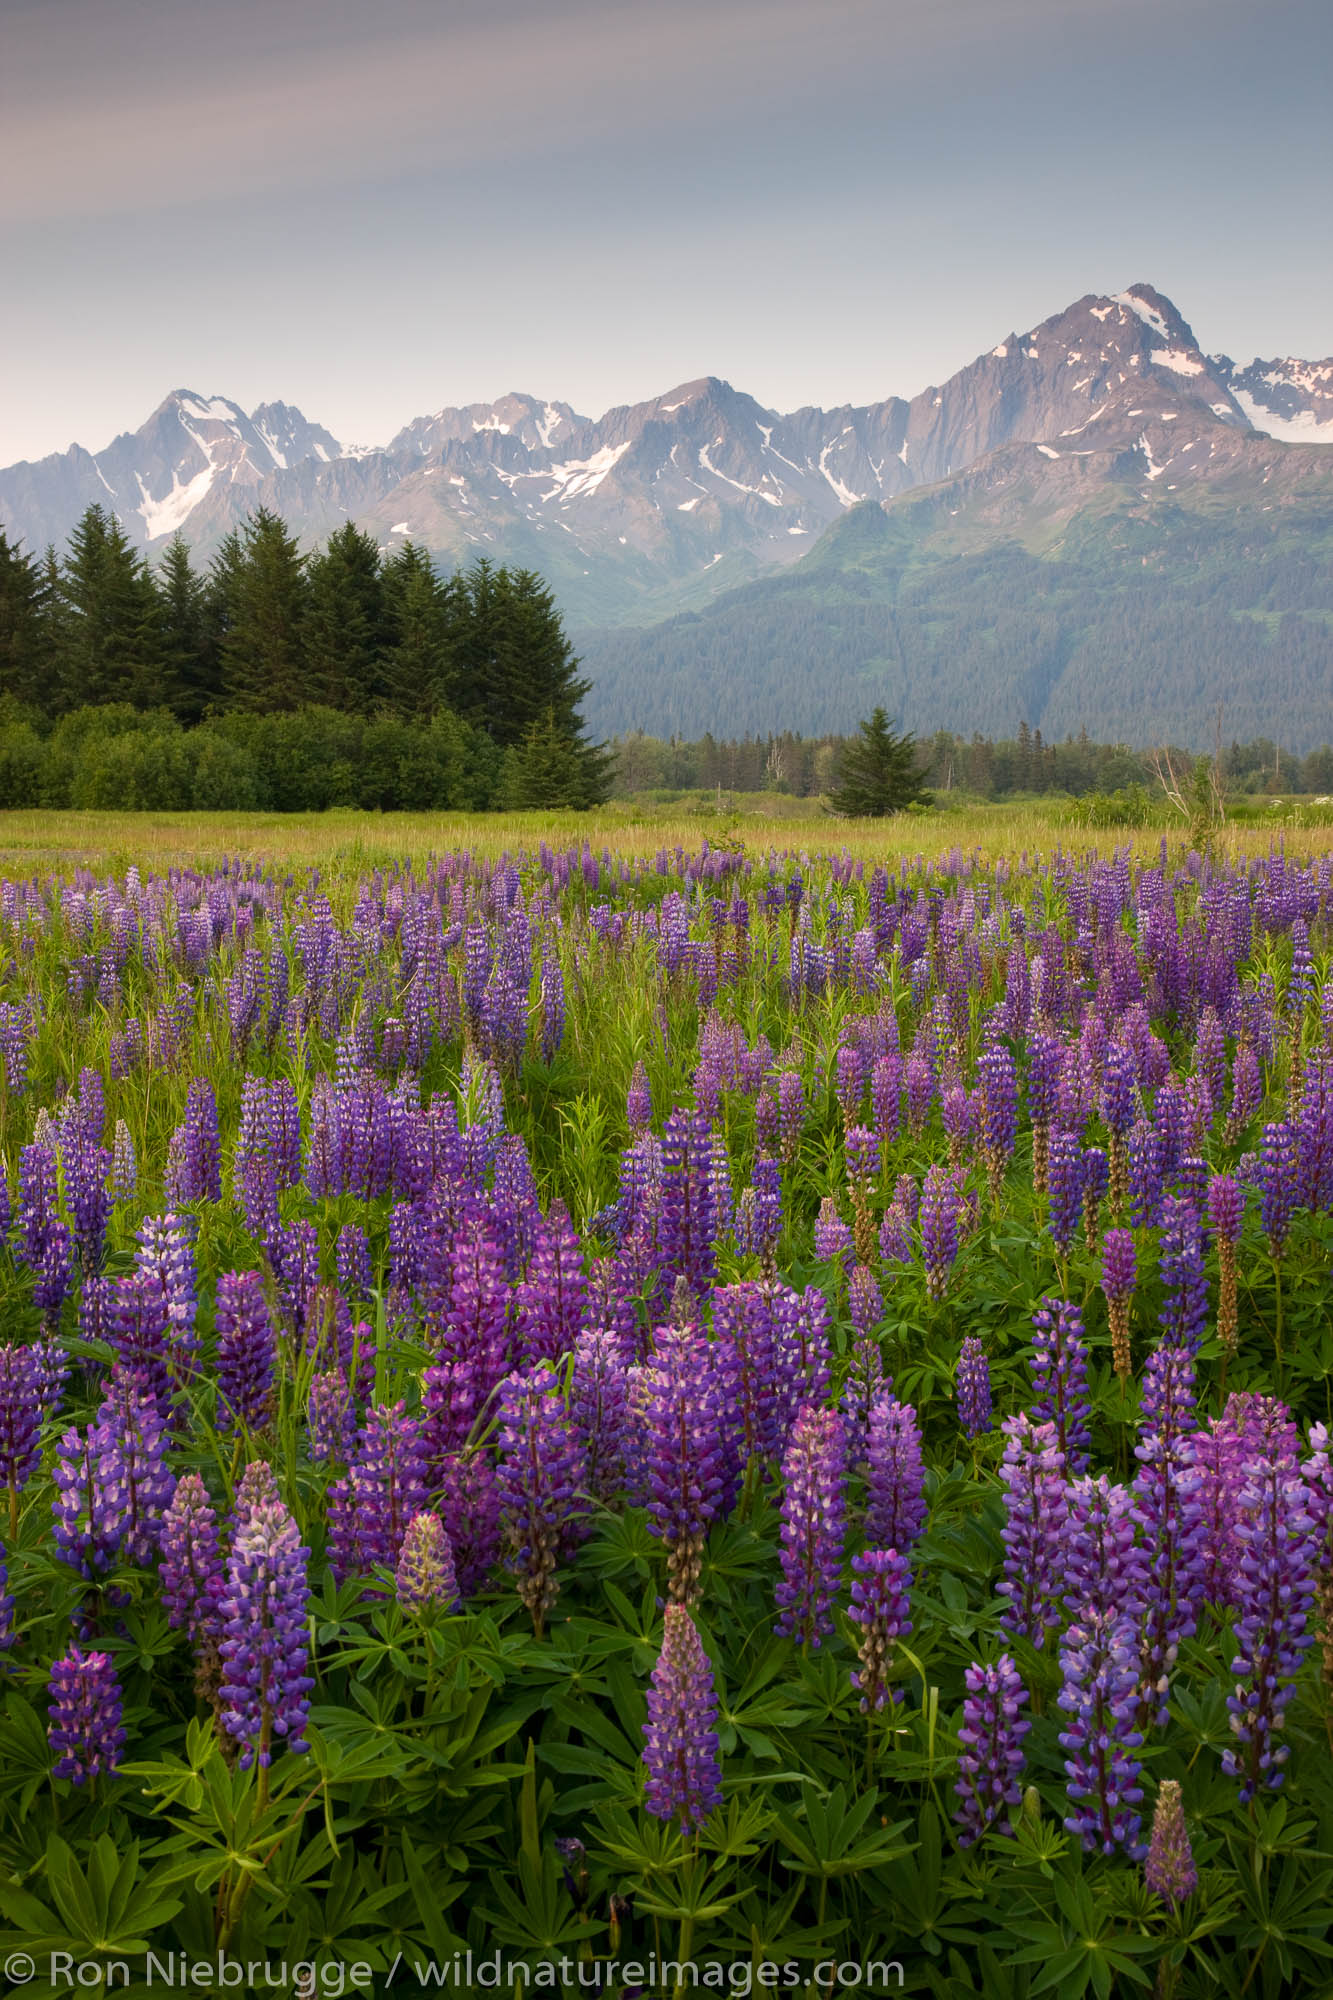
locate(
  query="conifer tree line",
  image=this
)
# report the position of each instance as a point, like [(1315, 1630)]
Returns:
[(97, 645)]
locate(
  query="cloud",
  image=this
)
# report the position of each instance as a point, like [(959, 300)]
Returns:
[(124, 106), (113, 108)]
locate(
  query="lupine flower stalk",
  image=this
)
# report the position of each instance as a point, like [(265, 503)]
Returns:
[(990, 1756), (684, 1781), (813, 1476), (881, 1606), (85, 1729)]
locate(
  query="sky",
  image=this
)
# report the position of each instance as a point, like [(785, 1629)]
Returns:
[(375, 211)]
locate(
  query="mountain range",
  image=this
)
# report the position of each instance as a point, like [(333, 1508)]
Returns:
[(1100, 452)]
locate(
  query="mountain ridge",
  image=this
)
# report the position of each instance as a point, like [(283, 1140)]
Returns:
[(660, 505)]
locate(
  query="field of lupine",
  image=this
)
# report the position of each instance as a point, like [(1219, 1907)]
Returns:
[(754, 1411)]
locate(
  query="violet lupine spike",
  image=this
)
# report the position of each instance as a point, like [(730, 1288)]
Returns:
[(1060, 1379), (1165, 1490), (1184, 1315), (687, 1222), (191, 1561), (552, 1301), (1277, 1184), (85, 1708), (330, 1417), (684, 1781), (1145, 1175), (425, 1579), (833, 1238), (881, 1606), (895, 1477), (469, 1502), (1099, 1666), (353, 1262), (639, 1101), (895, 1237), (541, 1481), (1226, 1213), (941, 1218), (384, 1486), (990, 1756), (813, 1521), (1104, 1556), (246, 1348), (599, 1411), (1169, 1869), (90, 1504), (972, 1388), (1274, 1594), (1119, 1277), (22, 1407), (264, 1698), (999, 1113), (744, 1320), (1032, 1474), (688, 1446), (1064, 1189), (131, 1436), (166, 1259)]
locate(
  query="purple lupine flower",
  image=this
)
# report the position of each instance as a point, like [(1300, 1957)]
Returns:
[(941, 1215), (759, 1212), (990, 1757), (553, 1299), (1032, 1474), (1167, 1500), (87, 1170), (1146, 1175), (599, 1410), (541, 1478), (1060, 1378), (245, 1351), (687, 1222), (1119, 1276), (1064, 1189), (198, 1148), (90, 1504), (553, 1005), (639, 1101), (972, 1388), (832, 1236), (1096, 1182), (191, 1561), (745, 1322), (131, 1436), (895, 1477), (886, 1094), (1169, 1870), (791, 1114), (264, 1648), (1247, 1089), (1099, 1666), (124, 1166), (468, 1300), (138, 1330), (1226, 1212), (166, 1258), (85, 1729), (37, 1211), (1184, 1315), (384, 1486), (895, 1240), (813, 1479), (999, 1107), (22, 1400), (1274, 1592), (881, 1606), (353, 1261), (1277, 1184), (470, 1502), (1105, 1560), (687, 1430), (863, 1385), (425, 1576), (330, 1417), (684, 1767)]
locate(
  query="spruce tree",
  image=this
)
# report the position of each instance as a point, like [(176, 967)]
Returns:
[(24, 654), (191, 654), (113, 642), (259, 588), (344, 625), (421, 616), (877, 773)]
